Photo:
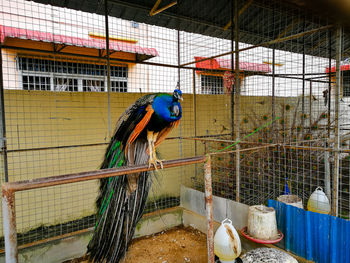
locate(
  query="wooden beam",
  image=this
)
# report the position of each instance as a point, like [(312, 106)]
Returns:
[(289, 27), (155, 11), (239, 13)]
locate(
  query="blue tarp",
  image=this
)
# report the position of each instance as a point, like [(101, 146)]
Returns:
[(318, 237)]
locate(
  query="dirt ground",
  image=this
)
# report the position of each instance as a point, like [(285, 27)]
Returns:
[(177, 245)]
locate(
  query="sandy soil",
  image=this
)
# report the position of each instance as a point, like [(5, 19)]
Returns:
[(177, 245)]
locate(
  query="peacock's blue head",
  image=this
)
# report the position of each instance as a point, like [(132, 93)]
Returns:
[(177, 95)]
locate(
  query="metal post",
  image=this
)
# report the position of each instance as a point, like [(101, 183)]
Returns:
[(3, 142), (179, 87), (310, 106), (195, 117), (209, 209), (273, 88), (178, 57), (303, 90), (238, 90), (303, 107), (232, 88), (194, 109), (329, 84), (9, 224), (336, 123), (327, 166), (108, 70), (273, 117)]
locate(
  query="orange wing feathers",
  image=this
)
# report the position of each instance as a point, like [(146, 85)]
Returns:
[(139, 127), (164, 133)]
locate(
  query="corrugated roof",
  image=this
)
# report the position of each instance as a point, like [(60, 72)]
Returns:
[(262, 21), (220, 63), (13, 32)]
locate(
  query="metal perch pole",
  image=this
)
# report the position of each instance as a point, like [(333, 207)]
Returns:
[(209, 209)]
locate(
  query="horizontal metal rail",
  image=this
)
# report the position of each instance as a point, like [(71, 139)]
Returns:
[(9, 190), (98, 174)]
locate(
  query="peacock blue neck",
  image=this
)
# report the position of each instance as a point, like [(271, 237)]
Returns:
[(162, 106)]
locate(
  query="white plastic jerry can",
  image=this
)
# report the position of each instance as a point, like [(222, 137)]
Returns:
[(318, 202), (227, 245)]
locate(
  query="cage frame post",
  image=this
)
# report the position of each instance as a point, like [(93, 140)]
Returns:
[(9, 223), (108, 65), (209, 208), (338, 55), (326, 153), (237, 101), (3, 141)]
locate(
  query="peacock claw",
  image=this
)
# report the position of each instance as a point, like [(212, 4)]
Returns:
[(154, 161)]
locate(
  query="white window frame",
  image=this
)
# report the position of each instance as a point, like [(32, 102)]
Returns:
[(346, 85), (79, 77)]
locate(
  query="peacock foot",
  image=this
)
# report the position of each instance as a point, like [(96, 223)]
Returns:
[(153, 160)]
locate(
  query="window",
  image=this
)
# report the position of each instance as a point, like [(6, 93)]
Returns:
[(65, 84), (40, 74), (36, 83), (93, 85), (212, 84), (346, 83), (118, 86)]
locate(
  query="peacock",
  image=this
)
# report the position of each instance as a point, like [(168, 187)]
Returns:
[(121, 200)]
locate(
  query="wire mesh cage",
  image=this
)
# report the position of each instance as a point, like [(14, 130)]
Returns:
[(266, 91)]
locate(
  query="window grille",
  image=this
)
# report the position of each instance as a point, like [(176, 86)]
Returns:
[(212, 84), (40, 74)]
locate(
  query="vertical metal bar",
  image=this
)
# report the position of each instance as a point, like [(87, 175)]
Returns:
[(179, 87), (194, 102), (237, 100), (108, 70), (303, 107), (273, 87), (310, 106), (178, 57), (3, 142), (9, 224), (329, 82), (327, 166), (303, 90), (232, 61), (195, 117), (336, 122), (232, 91), (209, 209), (275, 187)]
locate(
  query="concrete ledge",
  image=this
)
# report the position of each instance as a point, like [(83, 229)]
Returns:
[(192, 213), (193, 200)]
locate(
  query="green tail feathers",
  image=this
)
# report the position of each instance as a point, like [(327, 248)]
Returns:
[(115, 156)]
